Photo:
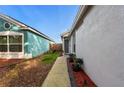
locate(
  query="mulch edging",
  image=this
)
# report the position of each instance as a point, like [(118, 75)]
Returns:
[(72, 80), (80, 78)]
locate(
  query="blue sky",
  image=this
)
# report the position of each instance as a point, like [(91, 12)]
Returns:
[(50, 20)]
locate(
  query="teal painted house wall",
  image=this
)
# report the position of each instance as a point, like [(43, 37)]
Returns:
[(12, 28), (34, 44)]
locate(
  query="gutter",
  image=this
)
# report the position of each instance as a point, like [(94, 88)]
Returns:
[(38, 33)]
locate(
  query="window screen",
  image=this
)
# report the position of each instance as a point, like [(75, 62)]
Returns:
[(3, 43), (15, 48), (15, 39), (3, 48), (15, 43), (3, 39)]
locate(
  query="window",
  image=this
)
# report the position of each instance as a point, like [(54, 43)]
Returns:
[(3, 48), (15, 48), (3, 43), (15, 39), (3, 39), (11, 43), (15, 43)]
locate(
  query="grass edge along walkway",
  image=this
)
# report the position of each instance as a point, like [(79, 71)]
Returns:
[(58, 76)]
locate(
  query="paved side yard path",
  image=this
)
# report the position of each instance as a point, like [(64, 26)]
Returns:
[(58, 76)]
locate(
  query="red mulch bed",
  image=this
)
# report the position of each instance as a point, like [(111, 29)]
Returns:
[(80, 78)]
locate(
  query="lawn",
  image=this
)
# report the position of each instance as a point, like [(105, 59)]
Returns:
[(29, 73), (50, 57)]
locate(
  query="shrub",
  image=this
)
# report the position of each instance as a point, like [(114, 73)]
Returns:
[(76, 67)]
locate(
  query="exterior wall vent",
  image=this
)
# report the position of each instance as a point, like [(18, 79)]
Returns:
[(7, 25)]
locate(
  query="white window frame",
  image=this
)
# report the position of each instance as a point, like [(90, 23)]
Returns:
[(9, 54)]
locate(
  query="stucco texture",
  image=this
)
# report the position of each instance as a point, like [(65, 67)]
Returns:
[(100, 43)]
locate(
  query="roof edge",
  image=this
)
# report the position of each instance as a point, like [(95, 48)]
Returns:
[(24, 26), (79, 17)]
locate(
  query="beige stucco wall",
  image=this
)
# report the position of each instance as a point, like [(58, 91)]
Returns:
[(100, 42)]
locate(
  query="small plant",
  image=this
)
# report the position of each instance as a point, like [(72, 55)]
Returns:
[(79, 60), (76, 67), (77, 64), (71, 57)]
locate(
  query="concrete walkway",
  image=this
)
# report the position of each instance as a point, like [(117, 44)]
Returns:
[(58, 76)]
